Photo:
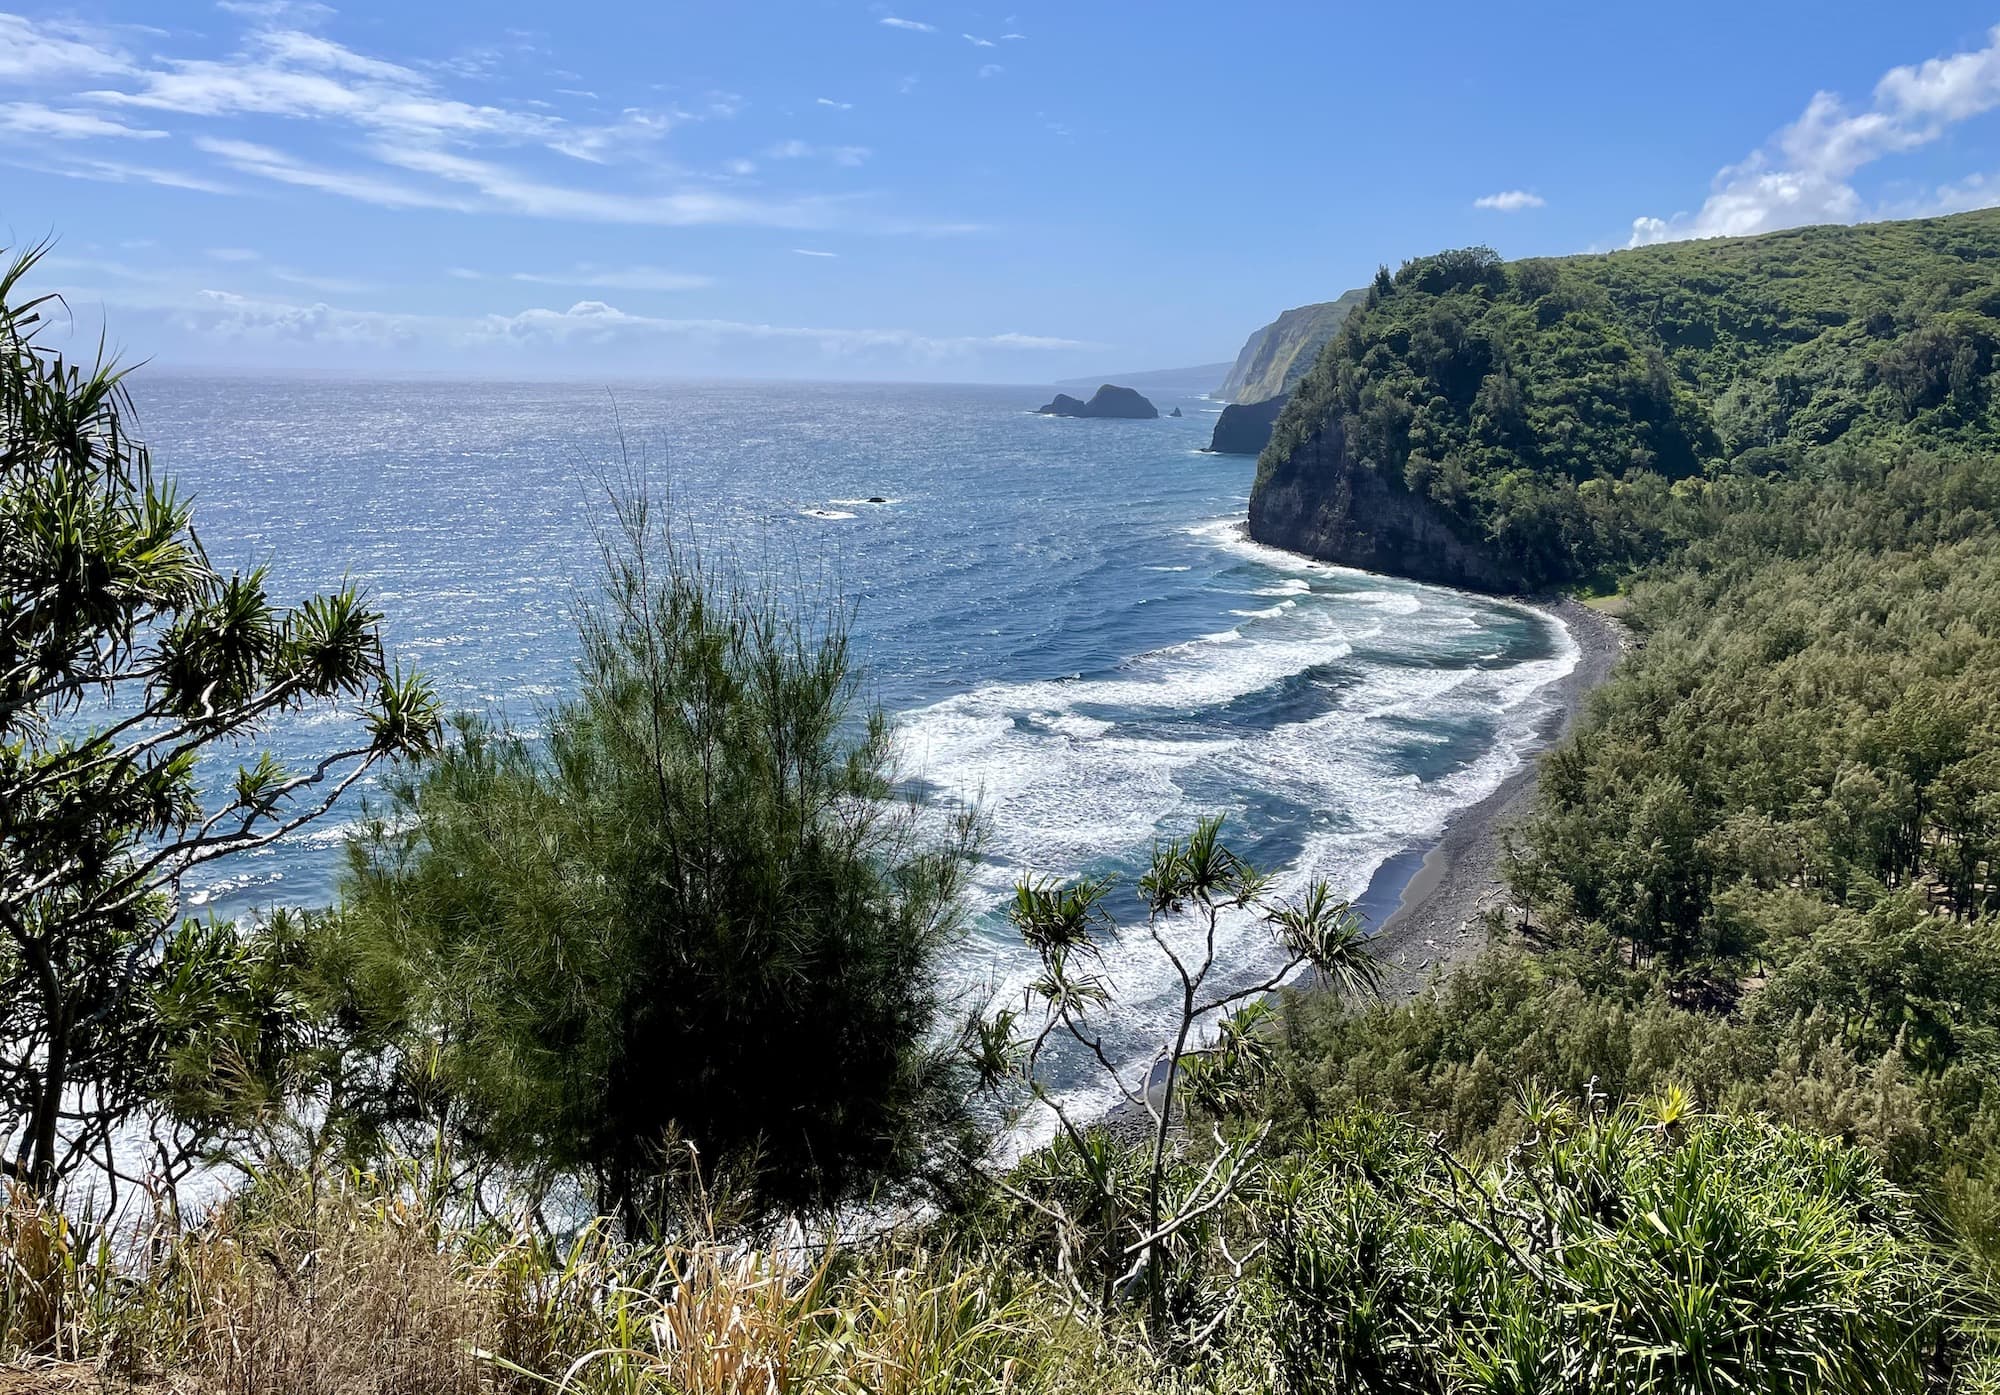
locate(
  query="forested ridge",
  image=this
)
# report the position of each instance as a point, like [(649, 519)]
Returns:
[(1544, 408), (1765, 869)]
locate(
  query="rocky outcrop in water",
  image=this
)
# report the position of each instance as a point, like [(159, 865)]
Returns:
[(1318, 500), (1245, 428), (1107, 401)]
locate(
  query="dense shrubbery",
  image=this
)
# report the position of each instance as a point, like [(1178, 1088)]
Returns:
[(690, 911), (1546, 406)]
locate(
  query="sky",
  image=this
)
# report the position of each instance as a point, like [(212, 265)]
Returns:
[(919, 190)]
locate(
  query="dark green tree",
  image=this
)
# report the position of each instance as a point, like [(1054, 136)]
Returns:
[(130, 667), (691, 910)]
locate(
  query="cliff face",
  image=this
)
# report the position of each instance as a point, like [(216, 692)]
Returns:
[(1278, 355), (1244, 428), (1318, 500)]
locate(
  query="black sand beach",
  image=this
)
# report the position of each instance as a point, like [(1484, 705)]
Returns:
[(1434, 923)]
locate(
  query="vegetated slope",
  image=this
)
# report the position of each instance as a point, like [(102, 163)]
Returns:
[(1278, 355), (1517, 426)]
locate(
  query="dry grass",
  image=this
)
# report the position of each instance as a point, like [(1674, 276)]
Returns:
[(317, 1285)]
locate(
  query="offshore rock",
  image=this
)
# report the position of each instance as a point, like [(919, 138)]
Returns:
[(1107, 401)]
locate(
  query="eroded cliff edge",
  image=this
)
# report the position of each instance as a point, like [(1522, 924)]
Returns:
[(1316, 499)]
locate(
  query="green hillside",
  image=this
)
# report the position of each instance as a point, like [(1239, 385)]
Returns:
[(1278, 355), (1539, 409)]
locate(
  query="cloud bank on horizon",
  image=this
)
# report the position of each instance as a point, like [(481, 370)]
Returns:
[(863, 191)]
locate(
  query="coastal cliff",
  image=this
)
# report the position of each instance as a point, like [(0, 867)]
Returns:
[(1314, 498), (1535, 425), (1278, 355), (1244, 428)]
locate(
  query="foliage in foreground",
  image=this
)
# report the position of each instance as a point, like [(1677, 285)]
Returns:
[(1642, 1249), (1635, 1249), (689, 910), (330, 1283), (1144, 1217), (127, 659)]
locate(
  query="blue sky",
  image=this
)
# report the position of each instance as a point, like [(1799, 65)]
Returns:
[(916, 190)]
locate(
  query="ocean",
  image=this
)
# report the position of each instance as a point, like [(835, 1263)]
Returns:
[(1063, 615)]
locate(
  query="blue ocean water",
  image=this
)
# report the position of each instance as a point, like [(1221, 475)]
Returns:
[(1063, 614)]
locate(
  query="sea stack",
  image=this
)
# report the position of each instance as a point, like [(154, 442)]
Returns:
[(1245, 428), (1108, 401)]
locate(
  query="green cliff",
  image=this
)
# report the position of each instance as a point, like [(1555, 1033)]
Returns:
[(1278, 355), (1538, 413)]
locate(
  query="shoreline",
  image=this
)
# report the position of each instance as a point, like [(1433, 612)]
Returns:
[(1423, 905), (1439, 892)]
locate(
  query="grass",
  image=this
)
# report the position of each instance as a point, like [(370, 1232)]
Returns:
[(317, 1283)]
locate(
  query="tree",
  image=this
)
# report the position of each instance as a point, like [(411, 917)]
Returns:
[(692, 911), (1140, 1215), (129, 666)]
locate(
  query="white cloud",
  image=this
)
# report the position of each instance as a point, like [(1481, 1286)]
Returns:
[(33, 53), (297, 11), (614, 278), (1013, 36), (837, 106), (976, 41), (34, 119), (326, 285), (812, 252), (120, 172), (232, 316), (991, 70), (506, 189), (268, 163), (1511, 201), (848, 155), (595, 320), (1804, 174), (918, 25), (419, 146)]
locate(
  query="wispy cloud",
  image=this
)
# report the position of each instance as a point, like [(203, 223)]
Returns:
[(1805, 173), (52, 49), (991, 70), (1511, 201), (812, 252), (230, 315), (123, 172), (34, 119), (849, 155), (410, 142), (976, 41), (265, 162), (610, 278), (913, 24)]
